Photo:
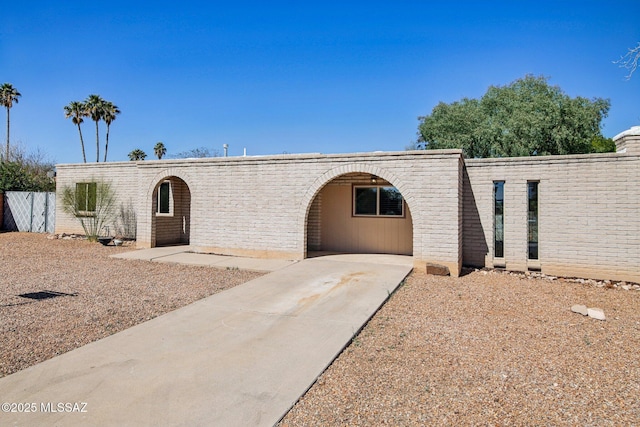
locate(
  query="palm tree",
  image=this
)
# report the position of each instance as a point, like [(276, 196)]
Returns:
[(137, 154), (109, 113), (8, 95), (77, 110), (160, 150), (95, 110)]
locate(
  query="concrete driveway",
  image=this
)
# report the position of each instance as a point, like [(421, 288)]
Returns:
[(242, 357)]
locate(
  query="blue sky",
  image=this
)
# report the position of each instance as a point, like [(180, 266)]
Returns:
[(275, 77)]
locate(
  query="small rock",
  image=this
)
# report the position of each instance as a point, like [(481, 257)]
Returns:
[(596, 313), (625, 287), (581, 309)]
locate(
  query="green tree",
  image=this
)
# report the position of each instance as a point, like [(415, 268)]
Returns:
[(109, 113), (159, 150), (95, 110), (8, 95), (600, 144), (525, 118), (460, 123), (137, 154), (76, 111), (27, 171)]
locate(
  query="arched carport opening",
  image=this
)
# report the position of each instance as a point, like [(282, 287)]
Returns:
[(171, 212), (359, 213)]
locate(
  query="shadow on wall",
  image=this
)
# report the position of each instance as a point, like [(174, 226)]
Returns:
[(474, 241)]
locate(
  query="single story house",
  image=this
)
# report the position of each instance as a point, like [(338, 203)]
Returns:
[(575, 215)]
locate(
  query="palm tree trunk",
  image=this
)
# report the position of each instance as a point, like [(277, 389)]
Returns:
[(97, 144), (106, 144), (6, 159), (84, 157)]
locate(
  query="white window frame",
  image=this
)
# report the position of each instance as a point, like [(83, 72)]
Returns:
[(170, 213)]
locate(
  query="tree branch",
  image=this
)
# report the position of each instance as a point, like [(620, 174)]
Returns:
[(630, 60)]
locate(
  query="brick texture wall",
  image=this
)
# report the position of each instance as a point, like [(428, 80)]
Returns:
[(589, 205), (259, 206), (588, 214), (123, 178)]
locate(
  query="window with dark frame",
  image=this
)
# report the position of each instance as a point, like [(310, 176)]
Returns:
[(86, 196), (532, 219), (365, 200), (164, 192), (377, 200), (498, 219)]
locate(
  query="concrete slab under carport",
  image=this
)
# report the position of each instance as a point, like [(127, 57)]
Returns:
[(186, 255), (240, 357)]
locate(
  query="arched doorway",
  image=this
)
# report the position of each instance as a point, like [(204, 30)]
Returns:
[(171, 212), (359, 213)]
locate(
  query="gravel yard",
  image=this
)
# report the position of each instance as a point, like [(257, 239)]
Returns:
[(486, 349), (104, 295)]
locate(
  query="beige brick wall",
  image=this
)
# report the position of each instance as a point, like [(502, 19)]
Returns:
[(589, 222), (122, 176), (628, 141), (258, 206), (314, 235), (173, 228), (272, 206)]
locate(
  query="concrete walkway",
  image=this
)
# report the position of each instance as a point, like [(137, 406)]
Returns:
[(184, 255), (238, 358)]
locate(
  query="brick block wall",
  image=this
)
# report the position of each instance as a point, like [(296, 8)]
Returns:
[(588, 214), (173, 228), (268, 206), (259, 206), (314, 236), (123, 178), (628, 141)]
